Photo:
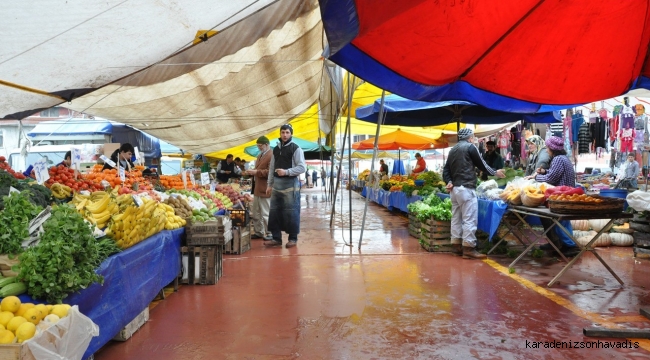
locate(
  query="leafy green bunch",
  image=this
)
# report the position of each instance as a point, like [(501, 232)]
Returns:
[(431, 207), (14, 221), (65, 259)]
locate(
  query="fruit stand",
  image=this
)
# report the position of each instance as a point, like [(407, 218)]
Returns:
[(105, 242)]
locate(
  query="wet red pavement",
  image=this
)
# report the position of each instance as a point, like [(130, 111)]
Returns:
[(323, 300)]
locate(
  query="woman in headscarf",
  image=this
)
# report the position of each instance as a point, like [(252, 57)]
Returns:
[(538, 157), (559, 173)]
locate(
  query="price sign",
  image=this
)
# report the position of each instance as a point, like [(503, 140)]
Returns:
[(137, 200), (75, 158), (13, 190), (138, 158), (184, 175), (122, 174), (108, 161), (205, 178), (212, 187), (193, 178), (40, 169)]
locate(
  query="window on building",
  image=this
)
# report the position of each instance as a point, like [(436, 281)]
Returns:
[(50, 113), (2, 139)]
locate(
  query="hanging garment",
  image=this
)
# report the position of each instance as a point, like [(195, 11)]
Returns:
[(627, 116), (575, 125), (603, 114), (593, 116), (556, 129), (504, 139), (584, 139), (613, 128), (599, 133)]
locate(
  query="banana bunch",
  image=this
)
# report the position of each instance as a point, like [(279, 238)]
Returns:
[(97, 208), (61, 191), (173, 221), (135, 223)]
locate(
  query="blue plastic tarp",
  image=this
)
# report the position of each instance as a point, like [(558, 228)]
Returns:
[(398, 167), (405, 112), (146, 143), (132, 279), (489, 214)]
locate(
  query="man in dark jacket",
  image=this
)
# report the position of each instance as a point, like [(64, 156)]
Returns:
[(492, 158), (287, 163), (461, 179), (227, 169)]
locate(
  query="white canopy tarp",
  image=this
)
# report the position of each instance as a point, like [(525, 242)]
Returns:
[(242, 83), (55, 50)]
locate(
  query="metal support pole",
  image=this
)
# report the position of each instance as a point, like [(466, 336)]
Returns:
[(380, 120), (338, 175)]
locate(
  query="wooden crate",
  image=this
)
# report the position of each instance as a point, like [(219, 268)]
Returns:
[(15, 352), (436, 245), (414, 231), (435, 230), (210, 264), (241, 241), (219, 238), (135, 324)]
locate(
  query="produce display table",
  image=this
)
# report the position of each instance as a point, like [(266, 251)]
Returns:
[(132, 279), (490, 213), (522, 211), (389, 199)]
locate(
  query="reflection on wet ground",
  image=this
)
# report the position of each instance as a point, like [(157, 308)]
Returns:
[(391, 299)]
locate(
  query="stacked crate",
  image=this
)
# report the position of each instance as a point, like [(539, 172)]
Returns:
[(205, 244), (641, 226), (435, 236), (414, 226)]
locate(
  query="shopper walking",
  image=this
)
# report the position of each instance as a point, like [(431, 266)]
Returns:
[(261, 200), (287, 163), (460, 176)]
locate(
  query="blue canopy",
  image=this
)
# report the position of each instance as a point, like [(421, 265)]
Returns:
[(398, 167), (119, 133), (401, 111)]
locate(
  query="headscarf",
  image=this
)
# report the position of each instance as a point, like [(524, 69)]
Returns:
[(465, 133), (555, 143), (538, 141)]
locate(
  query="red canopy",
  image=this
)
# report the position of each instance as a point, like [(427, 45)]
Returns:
[(543, 51)]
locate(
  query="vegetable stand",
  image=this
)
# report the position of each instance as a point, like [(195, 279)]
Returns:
[(521, 211), (132, 279)]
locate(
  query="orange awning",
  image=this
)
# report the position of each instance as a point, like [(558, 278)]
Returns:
[(401, 140)]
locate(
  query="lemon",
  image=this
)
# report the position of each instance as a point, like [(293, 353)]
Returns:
[(33, 315), (43, 309), (2, 328), (23, 308), (15, 322), (6, 337), (59, 310), (49, 308), (52, 319), (10, 303), (5, 316), (25, 331)]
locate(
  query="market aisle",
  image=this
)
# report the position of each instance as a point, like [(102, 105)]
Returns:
[(321, 300)]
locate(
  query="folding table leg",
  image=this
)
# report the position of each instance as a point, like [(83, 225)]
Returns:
[(531, 246), (583, 250), (607, 267)]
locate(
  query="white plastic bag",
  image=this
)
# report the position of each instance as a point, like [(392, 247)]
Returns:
[(67, 339), (639, 200)]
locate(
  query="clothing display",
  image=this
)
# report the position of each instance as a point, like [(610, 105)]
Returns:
[(584, 139), (599, 133), (627, 116)]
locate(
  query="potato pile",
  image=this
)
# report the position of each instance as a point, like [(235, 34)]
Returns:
[(181, 207)]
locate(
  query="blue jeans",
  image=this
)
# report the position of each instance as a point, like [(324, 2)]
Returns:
[(556, 234)]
